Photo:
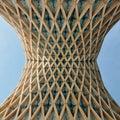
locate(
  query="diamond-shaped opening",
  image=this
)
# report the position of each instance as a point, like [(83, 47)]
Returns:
[(24, 4), (14, 106), (64, 74), (72, 49), (80, 50), (34, 30), (94, 31), (60, 81), (56, 73), (81, 4), (41, 75), (70, 62), (60, 67), (94, 95), (51, 82), (56, 49), (65, 32), (48, 48), (53, 55), (69, 82), (67, 67), (79, 115), (92, 116), (105, 107), (65, 91), (87, 29), (84, 18), (64, 49), (97, 17), (11, 3), (25, 93), (48, 74), (57, 61), (72, 75), (44, 31), (85, 93), (60, 56), (69, 42), (46, 68), (47, 19), (53, 67), (34, 93), (42, 40), (76, 32), (35, 105), (64, 61), (86, 84), (53, 4), (59, 104), (103, 96), (51, 41), (83, 106), (26, 115), (42, 82), (47, 104), (65, 115), (24, 106), (67, 5), (34, 83), (44, 91), (52, 115), (95, 4), (71, 105), (38, 4), (54, 91), (55, 32), (68, 55), (51, 61), (60, 42), (60, 19), (111, 2), (75, 91), (106, 117), (76, 62), (24, 16), (72, 19), (39, 115), (75, 55), (95, 107), (35, 18), (46, 56)]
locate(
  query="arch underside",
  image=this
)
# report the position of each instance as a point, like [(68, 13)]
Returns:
[(61, 78)]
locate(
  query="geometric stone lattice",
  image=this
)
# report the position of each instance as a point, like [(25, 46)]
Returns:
[(61, 40)]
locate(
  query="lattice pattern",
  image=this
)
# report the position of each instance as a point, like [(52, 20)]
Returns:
[(61, 40)]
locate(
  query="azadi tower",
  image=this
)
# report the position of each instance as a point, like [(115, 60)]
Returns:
[(61, 40)]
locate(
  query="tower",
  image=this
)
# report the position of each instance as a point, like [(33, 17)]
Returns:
[(61, 78)]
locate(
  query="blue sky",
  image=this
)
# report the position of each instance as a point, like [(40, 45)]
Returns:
[(109, 62), (12, 61)]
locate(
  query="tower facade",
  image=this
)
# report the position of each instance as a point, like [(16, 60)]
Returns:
[(61, 78)]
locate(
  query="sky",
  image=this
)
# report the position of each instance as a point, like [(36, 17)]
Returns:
[(12, 61), (109, 62)]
